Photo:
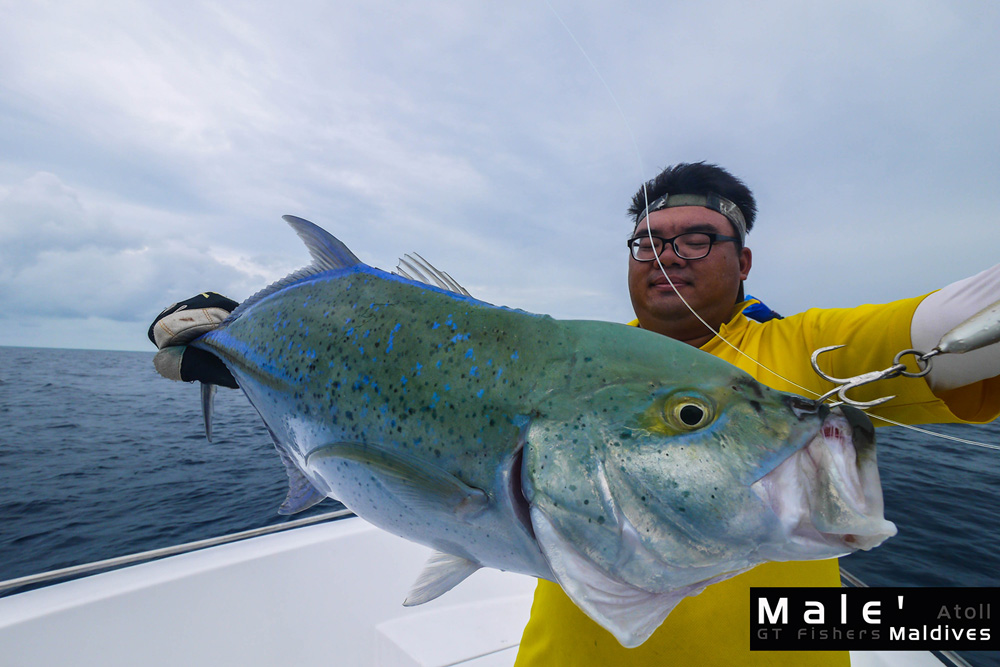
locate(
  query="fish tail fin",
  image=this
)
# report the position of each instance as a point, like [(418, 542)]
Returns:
[(207, 406), (328, 254)]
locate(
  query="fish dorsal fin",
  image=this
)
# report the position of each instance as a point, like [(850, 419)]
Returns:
[(416, 268), (328, 253), (441, 573)]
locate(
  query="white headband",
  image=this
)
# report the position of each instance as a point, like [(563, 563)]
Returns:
[(711, 201)]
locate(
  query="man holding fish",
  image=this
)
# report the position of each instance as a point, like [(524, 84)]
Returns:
[(694, 231), (689, 241)]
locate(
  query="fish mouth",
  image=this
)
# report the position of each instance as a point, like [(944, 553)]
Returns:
[(827, 495)]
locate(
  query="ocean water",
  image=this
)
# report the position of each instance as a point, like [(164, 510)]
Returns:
[(100, 457)]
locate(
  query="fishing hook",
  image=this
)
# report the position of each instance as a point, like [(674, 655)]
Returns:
[(843, 385), (978, 331)]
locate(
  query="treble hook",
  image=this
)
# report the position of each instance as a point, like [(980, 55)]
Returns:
[(846, 384), (978, 331)]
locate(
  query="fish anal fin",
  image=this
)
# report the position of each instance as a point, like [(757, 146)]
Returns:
[(441, 573), (419, 485), (301, 493)]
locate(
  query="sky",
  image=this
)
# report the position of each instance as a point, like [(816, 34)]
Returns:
[(149, 149)]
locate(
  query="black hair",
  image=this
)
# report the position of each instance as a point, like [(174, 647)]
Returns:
[(695, 178)]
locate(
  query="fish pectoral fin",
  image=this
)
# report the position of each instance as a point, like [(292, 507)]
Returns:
[(441, 573), (629, 613), (416, 483)]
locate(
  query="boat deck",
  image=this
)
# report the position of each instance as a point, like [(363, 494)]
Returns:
[(323, 594)]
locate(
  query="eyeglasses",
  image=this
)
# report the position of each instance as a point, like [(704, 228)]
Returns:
[(692, 245)]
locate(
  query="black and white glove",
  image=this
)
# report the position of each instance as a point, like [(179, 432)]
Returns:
[(181, 323)]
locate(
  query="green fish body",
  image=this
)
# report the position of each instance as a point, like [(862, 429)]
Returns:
[(630, 468)]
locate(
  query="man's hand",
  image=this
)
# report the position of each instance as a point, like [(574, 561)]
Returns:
[(181, 323)]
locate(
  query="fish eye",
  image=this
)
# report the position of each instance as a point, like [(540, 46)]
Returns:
[(691, 414), (688, 413)]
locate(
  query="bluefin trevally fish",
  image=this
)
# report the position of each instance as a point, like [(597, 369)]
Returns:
[(632, 469)]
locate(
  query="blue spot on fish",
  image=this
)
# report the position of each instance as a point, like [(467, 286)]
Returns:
[(392, 334)]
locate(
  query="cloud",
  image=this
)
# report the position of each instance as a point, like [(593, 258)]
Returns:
[(62, 257), (147, 151)]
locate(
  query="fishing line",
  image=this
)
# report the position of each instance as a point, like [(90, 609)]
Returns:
[(649, 233), (940, 435), (645, 196), (718, 334)]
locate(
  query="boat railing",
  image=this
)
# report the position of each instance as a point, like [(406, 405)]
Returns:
[(119, 561), (848, 580)]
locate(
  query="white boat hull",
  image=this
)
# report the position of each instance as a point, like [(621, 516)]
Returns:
[(325, 594)]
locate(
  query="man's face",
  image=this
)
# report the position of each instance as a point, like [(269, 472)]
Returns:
[(710, 285)]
